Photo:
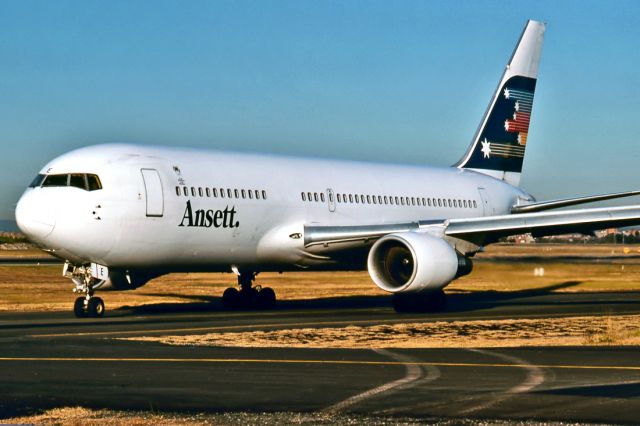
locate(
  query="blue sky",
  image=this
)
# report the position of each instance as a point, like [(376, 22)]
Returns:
[(399, 81)]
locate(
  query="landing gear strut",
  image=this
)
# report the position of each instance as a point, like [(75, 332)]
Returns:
[(247, 296), (87, 305), (432, 301)]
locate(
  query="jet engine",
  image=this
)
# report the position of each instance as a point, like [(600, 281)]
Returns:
[(414, 262)]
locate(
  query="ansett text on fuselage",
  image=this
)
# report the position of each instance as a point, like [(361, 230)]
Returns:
[(209, 218)]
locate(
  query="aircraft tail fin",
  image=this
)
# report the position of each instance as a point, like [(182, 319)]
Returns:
[(499, 144)]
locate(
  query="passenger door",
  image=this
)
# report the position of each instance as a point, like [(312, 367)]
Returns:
[(153, 192)]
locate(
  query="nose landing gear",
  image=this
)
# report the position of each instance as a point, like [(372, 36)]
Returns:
[(87, 305)]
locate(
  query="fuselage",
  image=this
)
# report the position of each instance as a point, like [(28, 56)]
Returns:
[(176, 209)]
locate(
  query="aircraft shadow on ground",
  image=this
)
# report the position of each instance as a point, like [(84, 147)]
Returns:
[(207, 303), (456, 302), (542, 296), (617, 390)]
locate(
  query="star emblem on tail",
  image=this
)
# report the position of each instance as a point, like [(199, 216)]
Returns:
[(486, 148)]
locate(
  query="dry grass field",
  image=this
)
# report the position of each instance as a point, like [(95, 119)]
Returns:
[(567, 268), (30, 253), (559, 250), (572, 331), (79, 416)]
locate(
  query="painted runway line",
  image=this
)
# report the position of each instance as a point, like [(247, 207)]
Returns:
[(318, 361)]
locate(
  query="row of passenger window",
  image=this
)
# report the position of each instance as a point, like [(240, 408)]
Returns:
[(390, 200), (222, 193)]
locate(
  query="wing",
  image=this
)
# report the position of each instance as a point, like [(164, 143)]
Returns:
[(481, 230), (566, 202), (583, 221)]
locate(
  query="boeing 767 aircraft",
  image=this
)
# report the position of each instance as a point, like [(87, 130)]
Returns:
[(120, 215)]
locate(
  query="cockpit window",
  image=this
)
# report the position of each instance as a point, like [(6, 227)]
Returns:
[(87, 182), (55, 180), (78, 181), (37, 181), (94, 182)]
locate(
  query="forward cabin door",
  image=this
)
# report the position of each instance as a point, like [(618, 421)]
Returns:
[(153, 191)]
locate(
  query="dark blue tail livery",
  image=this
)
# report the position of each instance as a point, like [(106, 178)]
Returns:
[(498, 147), (502, 141)]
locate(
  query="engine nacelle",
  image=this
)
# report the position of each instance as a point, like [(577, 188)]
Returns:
[(414, 262)]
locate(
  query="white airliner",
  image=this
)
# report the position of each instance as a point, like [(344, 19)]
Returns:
[(120, 215)]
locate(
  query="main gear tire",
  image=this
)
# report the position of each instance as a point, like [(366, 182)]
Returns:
[(266, 298), (95, 307), (231, 298)]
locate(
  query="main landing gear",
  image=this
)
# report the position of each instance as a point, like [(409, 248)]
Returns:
[(432, 301), (247, 296)]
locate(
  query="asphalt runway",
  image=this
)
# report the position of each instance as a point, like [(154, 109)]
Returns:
[(53, 360)]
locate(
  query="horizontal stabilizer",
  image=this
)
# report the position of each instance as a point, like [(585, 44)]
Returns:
[(565, 202)]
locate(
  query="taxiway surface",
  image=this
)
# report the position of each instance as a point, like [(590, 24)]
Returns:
[(52, 360)]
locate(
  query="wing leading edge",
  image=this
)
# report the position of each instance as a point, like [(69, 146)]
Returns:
[(566, 202), (484, 230)]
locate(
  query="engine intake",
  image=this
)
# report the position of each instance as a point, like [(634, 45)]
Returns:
[(414, 262)]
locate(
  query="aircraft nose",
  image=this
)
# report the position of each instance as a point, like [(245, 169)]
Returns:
[(35, 217)]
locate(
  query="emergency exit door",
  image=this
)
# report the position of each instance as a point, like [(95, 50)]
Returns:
[(487, 208), (153, 192), (331, 200)]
